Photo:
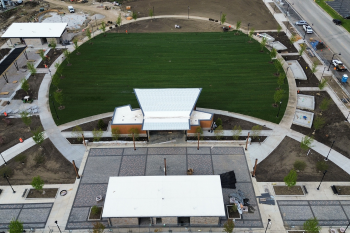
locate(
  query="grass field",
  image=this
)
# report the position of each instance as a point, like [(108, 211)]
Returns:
[(234, 74)]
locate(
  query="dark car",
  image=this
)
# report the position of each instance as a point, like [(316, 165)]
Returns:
[(337, 21)]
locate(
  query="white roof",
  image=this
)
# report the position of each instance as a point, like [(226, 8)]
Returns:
[(197, 116), (164, 196), (125, 115), (35, 30)]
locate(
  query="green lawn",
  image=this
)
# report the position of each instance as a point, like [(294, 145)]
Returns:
[(345, 23), (234, 74)]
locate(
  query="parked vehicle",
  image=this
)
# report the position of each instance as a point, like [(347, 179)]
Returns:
[(338, 65), (308, 29), (71, 9), (301, 22), (337, 21)]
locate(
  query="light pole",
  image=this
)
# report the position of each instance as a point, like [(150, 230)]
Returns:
[(5, 176), (53, 102), (323, 73), (3, 159), (326, 159), (324, 173), (332, 60), (220, 17), (279, 109), (268, 223), (58, 226)]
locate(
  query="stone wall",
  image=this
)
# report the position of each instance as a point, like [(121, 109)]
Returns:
[(169, 220), (204, 220), (36, 41), (124, 221)]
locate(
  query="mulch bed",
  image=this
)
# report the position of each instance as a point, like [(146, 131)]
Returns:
[(49, 193), (278, 164), (52, 58), (229, 122), (4, 52), (275, 8), (105, 139), (90, 126), (262, 138), (232, 214), (17, 129), (335, 129), (311, 81), (53, 167), (96, 216), (34, 85), (283, 38), (285, 190), (343, 190)]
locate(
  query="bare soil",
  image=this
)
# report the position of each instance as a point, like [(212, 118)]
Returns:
[(226, 138), (343, 190), (34, 85), (285, 190), (49, 193), (335, 129), (248, 11), (311, 81), (283, 39), (275, 8), (277, 165), (17, 129), (4, 52), (54, 168), (51, 57), (97, 215), (290, 27), (90, 126), (105, 139), (229, 122)]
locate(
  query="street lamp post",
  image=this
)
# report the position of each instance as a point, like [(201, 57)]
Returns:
[(5, 176), (220, 17), (323, 73), (284, 80), (50, 72), (188, 14), (326, 159), (324, 173), (53, 102), (304, 35), (58, 226), (332, 60), (3, 159), (279, 109), (268, 223)]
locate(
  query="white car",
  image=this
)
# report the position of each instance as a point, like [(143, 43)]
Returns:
[(339, 66), (301, 22), (308, 29), (71, 9)]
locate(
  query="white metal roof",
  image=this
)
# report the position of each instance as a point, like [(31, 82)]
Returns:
[(35, 30), (125, 115), (164, 196)]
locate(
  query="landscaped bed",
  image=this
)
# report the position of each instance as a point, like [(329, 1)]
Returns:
[(105, 139), (283, 38), (34, 82), (278, 164), (335, 128), (52, 56), (343, 190), (90, 126), (48, 163), (285, 190), (4, 52), (44, 193), (262, 138), (229, 122)]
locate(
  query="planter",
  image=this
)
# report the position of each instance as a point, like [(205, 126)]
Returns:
[(288, 191), (35, 194), (234, 215), (95, 217)]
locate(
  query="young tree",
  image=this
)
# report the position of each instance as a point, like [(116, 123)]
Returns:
[(88, 34), (219, 131), (150, 13), (325, 104), (306, 142), (31, 68), (119, 20), (115, 133), (25, 85), (76, 46), (53, 45), (278, 96), (56, 81), (98, 227), (238, 25), (311, 226), (279, 66), (38, 136), (256, 131), (302, 49), (273, 54), (279, 28), (25, 118), (103, 27), (293, 39), (223, 18), (199, 132), (78, 132), (229, 226), (281, 79), (66, 55), (291, 179), (314, 67), (42, 54), (263, 44), (218, 122), (15, 226), (134, 133), (322, 84), (321, 166), (251, 33), (59, 98), (236, 132), (97, 134), (58, 70), (299, 165), (319, 122), (134, 15), (37, 183)]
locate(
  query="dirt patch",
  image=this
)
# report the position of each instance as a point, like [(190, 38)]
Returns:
[(311, 81), (229, 122), (45, 193), (48, 163), (232, 214), (343, 190), (290, 27), (226, 138), (34, 85), (4, 52), (285, 190), (96, 215), (17, 129), (51, 57), (283, 38), (283, 158), (335, 129), (275, 8), (254, 12), (105, 139), (90, 126)]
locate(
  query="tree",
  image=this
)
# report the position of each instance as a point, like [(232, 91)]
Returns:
[(101, 124), (55, 81), (57, 66), (103, 27), (263, 44), (278, 66), (322, 84), (291, 179), (223, 18), (299, 165), (236, 132), (251, 33), (293, 39), (279, 28), (218, 122), (150, 12), (15, 226), (306, 142), (273, 54), (238, 25), (53, 45), (319, 122), (37, 183), (98, 227), (31, 68), (78, 132), (311, 226), (278, 96), (314, 67), (302, 49), (256, 131), (134, 15), (229, 226), (97, 134), (76, 46), (325, 104), (26, 119), (119, 20), (219, 131), (88, 34), (58, 98), (42, 54), (281, 79), (25, 85), (66, 54), (134, 133), (115, 133), (199, 131), (38, 136)]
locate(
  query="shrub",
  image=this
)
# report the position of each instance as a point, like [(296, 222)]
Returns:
[(77, 132), (21, 158), (25, 85), (100, 124), (223, 18), (322, 84), (319, 122), (98, 227), (218, 122), (229, 226), (321, 166), (115, 133), (306, 142), (237, 130), (134, 132), (15, 226), (299, 165), (233, 209), (97, 134), (291, 178), (37, 183), (25, 118), (6, 170), (219, 131), (325, 104), (39, 159), (134, 15), (256, 131), (278, 96), (38, 136), (95, 210)]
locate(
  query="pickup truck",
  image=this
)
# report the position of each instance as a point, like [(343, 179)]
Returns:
[(308, 29), (71, 9), (339, 66)]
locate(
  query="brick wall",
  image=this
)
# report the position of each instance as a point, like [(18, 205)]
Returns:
[(204, 220), (169, 220), (124, 221)]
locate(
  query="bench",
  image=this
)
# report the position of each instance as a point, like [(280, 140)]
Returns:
[(334, 189), (24, 193), (305, 190)]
